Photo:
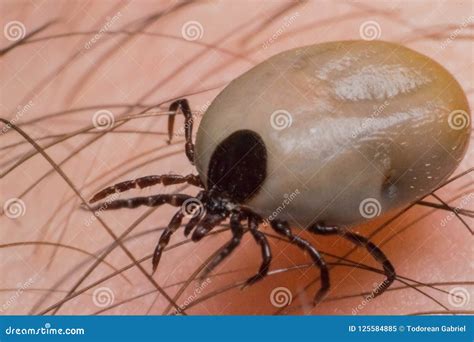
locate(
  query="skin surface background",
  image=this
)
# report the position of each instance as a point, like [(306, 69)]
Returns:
[(123, 57)]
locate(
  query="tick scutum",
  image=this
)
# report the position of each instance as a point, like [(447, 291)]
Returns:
[(238, 166)]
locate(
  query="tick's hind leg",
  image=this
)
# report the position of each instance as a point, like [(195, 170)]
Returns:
[(266, 253), (183, 105), (283, 228), (144, 182), (361, 241), (150, 201)]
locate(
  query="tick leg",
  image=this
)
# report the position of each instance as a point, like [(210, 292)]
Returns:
[(165, 237), (146, 181), (361, 241), (266, 253), (150, 201), (183, 105), (191, 224), (237, 233), (283, 228), (208, 222)]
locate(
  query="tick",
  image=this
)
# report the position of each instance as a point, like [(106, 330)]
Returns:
[(352, 127)]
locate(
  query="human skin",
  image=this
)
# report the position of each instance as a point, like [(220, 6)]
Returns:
[(124, 73)]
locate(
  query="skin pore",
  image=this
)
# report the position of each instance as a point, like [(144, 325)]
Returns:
[(91, 83)]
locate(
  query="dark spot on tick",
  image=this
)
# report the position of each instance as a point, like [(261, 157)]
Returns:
[(238, 166)]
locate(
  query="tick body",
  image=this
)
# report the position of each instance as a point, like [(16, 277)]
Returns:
[(358, 120), (309, 137)]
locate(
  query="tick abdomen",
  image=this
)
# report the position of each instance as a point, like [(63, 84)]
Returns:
[(343, 122)]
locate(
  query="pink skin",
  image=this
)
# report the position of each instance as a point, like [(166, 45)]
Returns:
[(432, 246)]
